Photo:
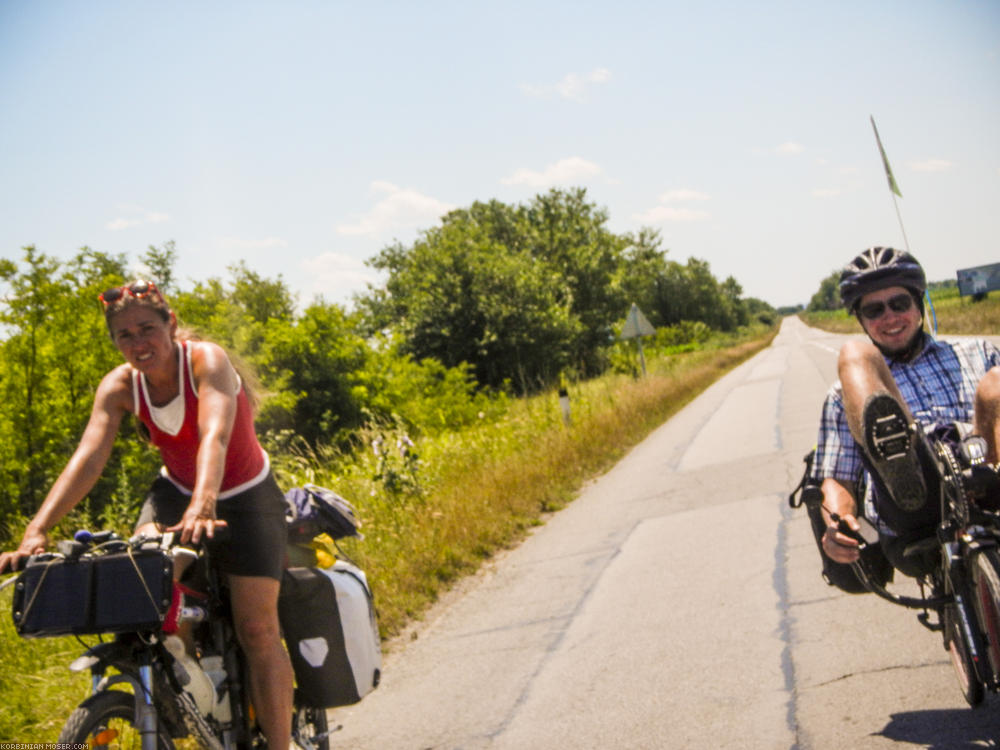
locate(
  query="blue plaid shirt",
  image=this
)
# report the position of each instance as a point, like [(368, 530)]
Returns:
[(939, 386)]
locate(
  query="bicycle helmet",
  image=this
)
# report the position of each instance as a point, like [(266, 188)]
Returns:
[(880, 268)]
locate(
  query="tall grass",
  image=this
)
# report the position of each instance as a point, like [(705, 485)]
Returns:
[(955, 315), (432, 510)]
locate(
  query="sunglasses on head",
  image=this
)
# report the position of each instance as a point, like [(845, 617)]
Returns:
[(136, 289), (901, 303)]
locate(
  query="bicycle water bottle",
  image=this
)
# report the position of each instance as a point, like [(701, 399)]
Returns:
[(192, 677), (217, 673)]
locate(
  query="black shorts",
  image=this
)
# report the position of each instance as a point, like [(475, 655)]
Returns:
[(257, 531)]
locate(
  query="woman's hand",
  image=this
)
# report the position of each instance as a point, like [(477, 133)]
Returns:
[(32, 543), (199, 520)]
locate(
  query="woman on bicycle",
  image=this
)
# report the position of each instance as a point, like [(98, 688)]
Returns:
[(199, 415)]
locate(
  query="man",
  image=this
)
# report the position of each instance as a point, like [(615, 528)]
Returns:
[(891, 388)]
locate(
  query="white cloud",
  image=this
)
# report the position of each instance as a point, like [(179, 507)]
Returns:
[(265, 243), (658, 214), (666, 211), (563, 172), (397, 209), (825, 192), (931, 165), (683, 194), (337, 276), (790, 148), (134, 217), (573, 86)]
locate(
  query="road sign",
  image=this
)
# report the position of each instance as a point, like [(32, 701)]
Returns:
[(636, 324)]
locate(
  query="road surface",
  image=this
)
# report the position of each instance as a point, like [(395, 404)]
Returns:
[(677, 603)]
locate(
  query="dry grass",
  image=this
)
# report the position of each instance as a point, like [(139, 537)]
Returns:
[(955, 315)]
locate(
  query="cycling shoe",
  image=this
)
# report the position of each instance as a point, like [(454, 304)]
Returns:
[(891, 445)]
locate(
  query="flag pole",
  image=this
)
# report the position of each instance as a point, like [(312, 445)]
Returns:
[(894, 189)]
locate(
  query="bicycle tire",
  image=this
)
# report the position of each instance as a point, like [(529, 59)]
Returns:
[(986, 581), (965, 670), (310, 727), (111, 714)]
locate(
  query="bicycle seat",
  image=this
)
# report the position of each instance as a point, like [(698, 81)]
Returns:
[(921, 547)]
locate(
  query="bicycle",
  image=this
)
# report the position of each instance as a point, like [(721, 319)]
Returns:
[(99, 584), (963, 586)]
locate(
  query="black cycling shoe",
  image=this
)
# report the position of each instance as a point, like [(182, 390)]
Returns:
[(891, 445)]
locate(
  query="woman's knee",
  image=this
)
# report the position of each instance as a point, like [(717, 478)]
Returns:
[(258, 631)]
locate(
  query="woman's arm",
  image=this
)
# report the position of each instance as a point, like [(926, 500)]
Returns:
[(217, 385), (112, 400)]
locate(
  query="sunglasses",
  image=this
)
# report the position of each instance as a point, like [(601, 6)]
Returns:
[(136, 289), (901, 303)]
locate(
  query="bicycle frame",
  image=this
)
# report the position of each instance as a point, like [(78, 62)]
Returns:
[(965, 532)]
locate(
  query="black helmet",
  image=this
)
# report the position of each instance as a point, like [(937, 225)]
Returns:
[(880, 268)]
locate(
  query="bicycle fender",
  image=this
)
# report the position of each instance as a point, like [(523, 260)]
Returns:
[(105, 654)]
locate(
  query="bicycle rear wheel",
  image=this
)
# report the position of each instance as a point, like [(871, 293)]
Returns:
[(309, 727), (106, 721), (986, 581)]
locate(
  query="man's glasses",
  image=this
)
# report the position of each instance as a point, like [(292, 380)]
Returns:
[(136, 289), (901, 303)]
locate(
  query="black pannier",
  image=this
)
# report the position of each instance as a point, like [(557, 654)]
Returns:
[(841, 575), (328, 621), (108, 593)]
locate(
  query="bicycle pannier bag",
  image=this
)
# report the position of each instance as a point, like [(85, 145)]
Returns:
[(111, 593), (837, 574), (328, 620), (313, 510)]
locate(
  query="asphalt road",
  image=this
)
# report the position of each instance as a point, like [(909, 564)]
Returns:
[(677, 603)]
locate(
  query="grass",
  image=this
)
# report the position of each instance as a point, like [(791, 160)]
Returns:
[(955, 315), (432, 511)]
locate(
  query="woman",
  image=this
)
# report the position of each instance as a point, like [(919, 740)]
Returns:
[(215, 474)]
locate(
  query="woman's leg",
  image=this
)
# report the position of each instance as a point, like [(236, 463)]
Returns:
[(255, 616)]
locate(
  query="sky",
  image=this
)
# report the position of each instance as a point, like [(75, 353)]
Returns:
[(302, 137)]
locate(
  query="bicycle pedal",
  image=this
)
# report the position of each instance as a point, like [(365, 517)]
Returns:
[(891, 437)]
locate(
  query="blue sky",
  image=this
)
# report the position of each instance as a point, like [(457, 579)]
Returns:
[(304, 136)]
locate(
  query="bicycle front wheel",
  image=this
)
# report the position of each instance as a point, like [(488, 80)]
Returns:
[(986, 581), (106, 721)]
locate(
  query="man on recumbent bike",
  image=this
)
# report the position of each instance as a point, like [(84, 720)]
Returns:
[(892, 391)]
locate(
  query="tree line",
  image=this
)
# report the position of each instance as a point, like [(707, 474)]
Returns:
[(496, 301)]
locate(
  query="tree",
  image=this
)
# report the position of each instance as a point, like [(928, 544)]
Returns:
[(643, 272), (314, 369), (160, 262), (827, 297), (570, 235), (56, 351), (459, 295)]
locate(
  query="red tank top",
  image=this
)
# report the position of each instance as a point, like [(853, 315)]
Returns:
[(173, 429)]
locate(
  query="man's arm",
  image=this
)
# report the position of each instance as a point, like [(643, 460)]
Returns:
[(840, 497)]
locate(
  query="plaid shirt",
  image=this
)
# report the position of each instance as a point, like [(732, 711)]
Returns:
[(939, 386)]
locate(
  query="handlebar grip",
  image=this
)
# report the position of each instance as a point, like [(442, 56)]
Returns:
[(846, 530)]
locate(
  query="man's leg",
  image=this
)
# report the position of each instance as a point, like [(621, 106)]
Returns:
[(255, 615), (987, 414), (863, 373), (880, 420)]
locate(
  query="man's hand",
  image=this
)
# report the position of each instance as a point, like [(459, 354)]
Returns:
[(838, 546), (33, 543)]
